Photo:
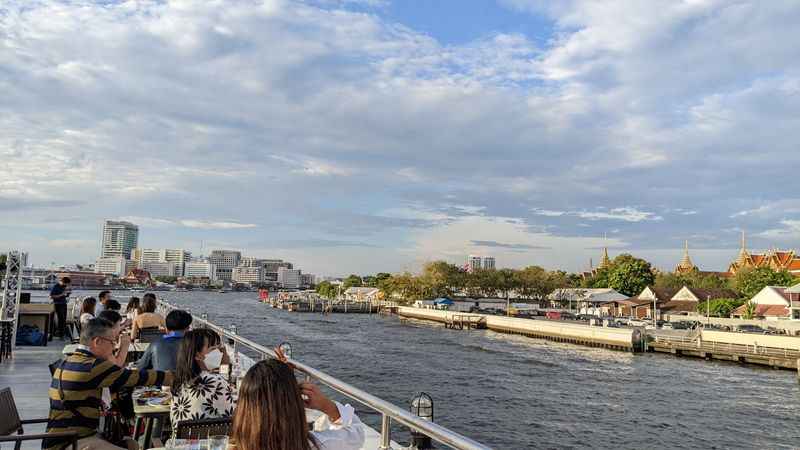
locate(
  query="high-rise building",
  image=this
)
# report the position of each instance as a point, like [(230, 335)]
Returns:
[(119, 239), (307, 280), (474, 263), (160, 269), (488, 263), (271, 267), (225, 261), (289, 278)]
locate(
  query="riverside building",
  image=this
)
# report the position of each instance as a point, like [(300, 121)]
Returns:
[(119, 239), (178, 257), (289, 278), (200, 269), (225, 261)]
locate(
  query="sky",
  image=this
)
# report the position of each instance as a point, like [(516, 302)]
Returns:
[(357, 136)]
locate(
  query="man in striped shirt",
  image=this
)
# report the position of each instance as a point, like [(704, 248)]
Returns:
[(78, 381)]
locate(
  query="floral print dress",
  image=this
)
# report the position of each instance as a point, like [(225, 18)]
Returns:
[(209, 396)]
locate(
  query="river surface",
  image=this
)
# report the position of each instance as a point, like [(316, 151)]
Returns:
[(515, 392)]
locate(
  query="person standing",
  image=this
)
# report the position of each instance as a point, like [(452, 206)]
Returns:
[(60, 296)]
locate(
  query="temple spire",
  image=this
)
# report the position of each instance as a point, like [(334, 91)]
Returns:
[(744, 256), (605, 261), (686, 264)]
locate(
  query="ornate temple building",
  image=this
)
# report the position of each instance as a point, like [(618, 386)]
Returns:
[(686, 265), (605, 261), (774, 259)]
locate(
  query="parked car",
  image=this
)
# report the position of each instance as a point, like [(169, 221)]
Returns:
[(750, 329), (667, 326)]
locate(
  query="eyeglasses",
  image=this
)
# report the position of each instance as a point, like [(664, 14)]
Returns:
[(111, 341)]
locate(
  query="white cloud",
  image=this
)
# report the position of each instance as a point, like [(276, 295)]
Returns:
[(188, 223), (790, 231), (626, 214)]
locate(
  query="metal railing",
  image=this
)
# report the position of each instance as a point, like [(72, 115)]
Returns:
[(388, 410)]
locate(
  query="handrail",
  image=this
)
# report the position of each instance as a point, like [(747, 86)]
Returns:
[(436, 432)]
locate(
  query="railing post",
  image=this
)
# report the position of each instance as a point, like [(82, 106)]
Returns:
[(204, 316), (386, 433)]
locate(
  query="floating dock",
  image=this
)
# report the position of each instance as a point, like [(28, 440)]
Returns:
[(626, 339)]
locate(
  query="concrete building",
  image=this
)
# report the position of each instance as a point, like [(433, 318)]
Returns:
[(117, 266), (488, 263), (161, 269), (307, 280), (289, 278), (271, 267), (177, 256), (474, 263), (248, 274), (200, 269), (82, 279), (119, 239), (225, 261)]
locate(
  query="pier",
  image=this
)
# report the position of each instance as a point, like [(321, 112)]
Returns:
[(625, 339)]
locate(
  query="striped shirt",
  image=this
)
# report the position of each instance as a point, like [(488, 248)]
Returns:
[(76, 390)]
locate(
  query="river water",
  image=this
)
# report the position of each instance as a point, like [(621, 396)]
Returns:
[(515, 392)]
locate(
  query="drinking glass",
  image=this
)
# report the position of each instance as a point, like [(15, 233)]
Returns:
[(177, 444), (218, 442)]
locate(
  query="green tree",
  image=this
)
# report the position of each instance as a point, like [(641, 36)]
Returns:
[(719, 307), (629, 275), (369, 281), (599, 280), (326, 289), (749, 310), (669, 280), (747, 282), (534, 282), (439, 278), (166, 279), (352, 281)]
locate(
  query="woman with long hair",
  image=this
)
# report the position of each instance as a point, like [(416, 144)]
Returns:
[(270, 414), (198, 391), (147, 317), (87, 309), (133, 308)]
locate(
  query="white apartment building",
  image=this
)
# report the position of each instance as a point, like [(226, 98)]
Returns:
[(119, 239), (117, 266), (177, 256), (200, 269), (160, 269), (289, 278), (248, 274), (225, 261)]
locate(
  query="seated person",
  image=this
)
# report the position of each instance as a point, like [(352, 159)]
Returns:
[(163, 353), (78, 379), (198, 392), (87, 309), (133, 308), (271, 413), (121, 353), (102, 298), (148, 318)]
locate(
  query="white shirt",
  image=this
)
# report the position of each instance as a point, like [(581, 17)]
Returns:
[(347, 433)]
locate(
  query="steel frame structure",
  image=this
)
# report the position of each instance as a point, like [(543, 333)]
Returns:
[(12, 286)]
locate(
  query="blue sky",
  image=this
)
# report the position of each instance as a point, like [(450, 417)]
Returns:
[(374, 135)]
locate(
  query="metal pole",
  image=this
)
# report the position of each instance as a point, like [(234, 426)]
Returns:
[(386, 433), (708, 310)]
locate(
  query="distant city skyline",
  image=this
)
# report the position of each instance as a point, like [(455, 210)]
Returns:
[(367, 136)]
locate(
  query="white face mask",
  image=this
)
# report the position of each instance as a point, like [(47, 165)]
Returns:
[(213, 359)]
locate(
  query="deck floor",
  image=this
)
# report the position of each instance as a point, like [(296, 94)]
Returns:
[(29, 379)]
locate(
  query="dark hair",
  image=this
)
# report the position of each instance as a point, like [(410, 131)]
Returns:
[(270, 413), (110, 315), (88, 305), (178, 320), (103, 294), (95, 328), (133, 305), (66, 280), (192, 343), (149, 303), (113, 305)]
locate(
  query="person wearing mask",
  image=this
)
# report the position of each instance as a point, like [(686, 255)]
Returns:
[(79, 378), (271, 413), (132, 309), (148, 318), (102, 298), (198, 391), (124, 340), (87, 309), (60, 296), (163, 353)]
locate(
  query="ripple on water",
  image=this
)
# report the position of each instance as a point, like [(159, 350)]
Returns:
[(515, 392)]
